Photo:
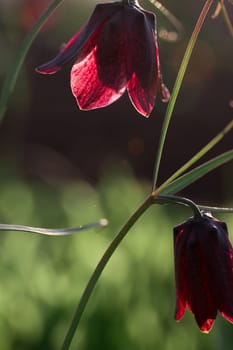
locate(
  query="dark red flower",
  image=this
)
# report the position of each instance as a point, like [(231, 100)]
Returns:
[(203, 270), (116, 50)]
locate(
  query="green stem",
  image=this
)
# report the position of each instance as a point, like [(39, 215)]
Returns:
[(177, 87), (216, 209), (11, 78), (196, 157), (98, 270), (53, 231), (197, 208), (179, 200), (226, 18)]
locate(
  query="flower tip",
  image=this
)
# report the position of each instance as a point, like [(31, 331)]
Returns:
[(43, 70), (206, 328), (144, 113), (104, 222), (205, 331), (165, 93)]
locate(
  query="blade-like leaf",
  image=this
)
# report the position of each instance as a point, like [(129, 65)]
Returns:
[(176, 89), (13, 73), (195, 174)]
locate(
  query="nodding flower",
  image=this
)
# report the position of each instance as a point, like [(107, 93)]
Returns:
[(116, 50), (203, 270)]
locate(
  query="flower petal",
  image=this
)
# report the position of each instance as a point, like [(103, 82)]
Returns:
[(199, 257), (100, 15), (192, 259), (99, 78), (224, 273), (63, 57), (180, 241), (180, 306), (207, 325), (88, 89), (141, 60), (218, 253)]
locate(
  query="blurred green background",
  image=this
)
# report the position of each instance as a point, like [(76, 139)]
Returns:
[(60, 167)]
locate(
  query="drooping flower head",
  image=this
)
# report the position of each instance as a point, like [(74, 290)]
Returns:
[(203, 270), (116, 50)]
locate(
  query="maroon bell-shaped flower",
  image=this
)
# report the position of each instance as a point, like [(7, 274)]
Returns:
[(116, 50), (203, 270)]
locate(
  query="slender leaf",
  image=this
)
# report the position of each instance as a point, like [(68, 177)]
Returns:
[(99, 269), (176, 89), (12, 76), (195, 174), (198, 155)]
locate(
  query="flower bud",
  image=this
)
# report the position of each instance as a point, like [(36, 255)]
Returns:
[(203, 270)]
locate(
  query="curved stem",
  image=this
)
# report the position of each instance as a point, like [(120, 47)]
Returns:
[(98, 270), (179, 200), (197, 208), (177, 87), (53, 231)]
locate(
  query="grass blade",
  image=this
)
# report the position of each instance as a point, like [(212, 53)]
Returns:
[(177, 87), (195, 174), (12, 76)]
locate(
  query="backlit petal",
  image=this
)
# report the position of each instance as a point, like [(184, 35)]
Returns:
[(200, 294), (207, 325), (141, 61), (88, 88), (100, 15), (180, 242), (180, 306), (100, 78)]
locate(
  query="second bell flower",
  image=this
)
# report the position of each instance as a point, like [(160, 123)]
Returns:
[(203, 270)]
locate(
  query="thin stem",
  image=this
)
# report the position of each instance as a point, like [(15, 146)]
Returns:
[(180, 200), (197, 156), (197, 208), (170, 17), (177, 87), (216, 209), (98, 270), (53, 231), (227, 18), (11, 78)]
